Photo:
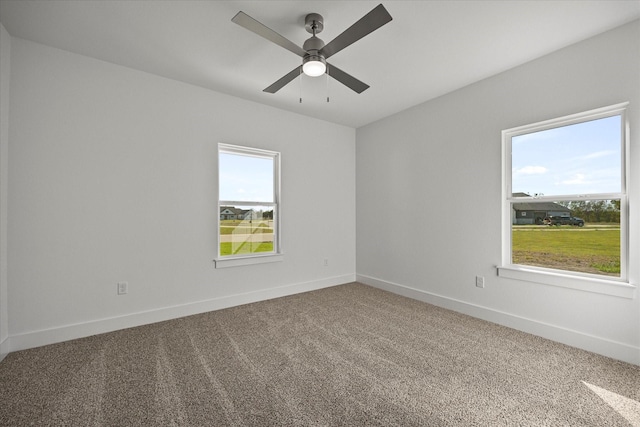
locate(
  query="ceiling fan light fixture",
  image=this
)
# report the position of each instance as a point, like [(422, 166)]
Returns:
[(314, 65)]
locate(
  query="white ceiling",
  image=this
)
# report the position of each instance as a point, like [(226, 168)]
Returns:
[(429, 49)]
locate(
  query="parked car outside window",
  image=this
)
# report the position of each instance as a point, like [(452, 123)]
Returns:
[(564, 220)]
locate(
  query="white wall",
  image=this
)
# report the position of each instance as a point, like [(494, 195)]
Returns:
[(428, 184), (113, 178), (5, 72)]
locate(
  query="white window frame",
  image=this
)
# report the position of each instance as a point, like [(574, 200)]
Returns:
[(616, 286), (256, 258)]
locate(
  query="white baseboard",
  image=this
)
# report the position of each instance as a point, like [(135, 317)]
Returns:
[(613, 349), (4, 349), (81, 330)]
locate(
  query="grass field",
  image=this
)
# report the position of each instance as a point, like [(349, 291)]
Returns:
[(589, 249), (227, 248), (240, 233), (246, 227), (245, 230)]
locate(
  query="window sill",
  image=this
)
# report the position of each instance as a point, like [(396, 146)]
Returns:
[(586, 284), (249, 260)]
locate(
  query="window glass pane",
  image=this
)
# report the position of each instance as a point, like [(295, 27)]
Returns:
[(245, 178), (582, 236), (246, 229), (583, 158)]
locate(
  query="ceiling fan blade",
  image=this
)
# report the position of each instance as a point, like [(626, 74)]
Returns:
[(367, 24), (260, 29), (282, 82), (346, 79)]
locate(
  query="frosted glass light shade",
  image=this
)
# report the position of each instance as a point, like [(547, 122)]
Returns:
[(314, 68)]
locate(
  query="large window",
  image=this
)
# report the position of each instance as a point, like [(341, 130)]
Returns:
[(564, 192), (248, 205)]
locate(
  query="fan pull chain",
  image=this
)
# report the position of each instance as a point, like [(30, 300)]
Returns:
[(300, 85), (327, 84)]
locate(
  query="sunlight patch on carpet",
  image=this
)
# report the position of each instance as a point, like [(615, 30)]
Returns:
[(628, 408)]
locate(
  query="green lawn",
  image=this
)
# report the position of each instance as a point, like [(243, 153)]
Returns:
[(240, 232), (246, 227), (245, 230), (588, 249), (226, 248)]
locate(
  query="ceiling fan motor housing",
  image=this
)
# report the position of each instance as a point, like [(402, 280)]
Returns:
[(313, 43)]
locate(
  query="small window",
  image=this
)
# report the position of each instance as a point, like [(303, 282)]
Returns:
[(248, 205), (565, 202)]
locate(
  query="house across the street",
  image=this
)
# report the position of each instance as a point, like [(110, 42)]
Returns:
[(535, 213), (230, 212)]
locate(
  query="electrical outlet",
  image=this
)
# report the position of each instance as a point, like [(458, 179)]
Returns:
[(480, 281), (123, 288)]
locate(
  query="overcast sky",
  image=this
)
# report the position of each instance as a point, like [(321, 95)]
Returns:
[(584, 158)]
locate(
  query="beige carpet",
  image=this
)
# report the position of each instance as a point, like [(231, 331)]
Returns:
[(350, 355)]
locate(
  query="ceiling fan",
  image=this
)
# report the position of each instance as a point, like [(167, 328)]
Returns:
[(314, 52)]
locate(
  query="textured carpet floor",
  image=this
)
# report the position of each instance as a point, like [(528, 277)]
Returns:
[(348, 355)]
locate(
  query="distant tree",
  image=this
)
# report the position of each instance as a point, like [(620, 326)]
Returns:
[(616, 206), (595, 210)]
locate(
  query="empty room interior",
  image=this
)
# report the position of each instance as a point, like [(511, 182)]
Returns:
[(207, 218)]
